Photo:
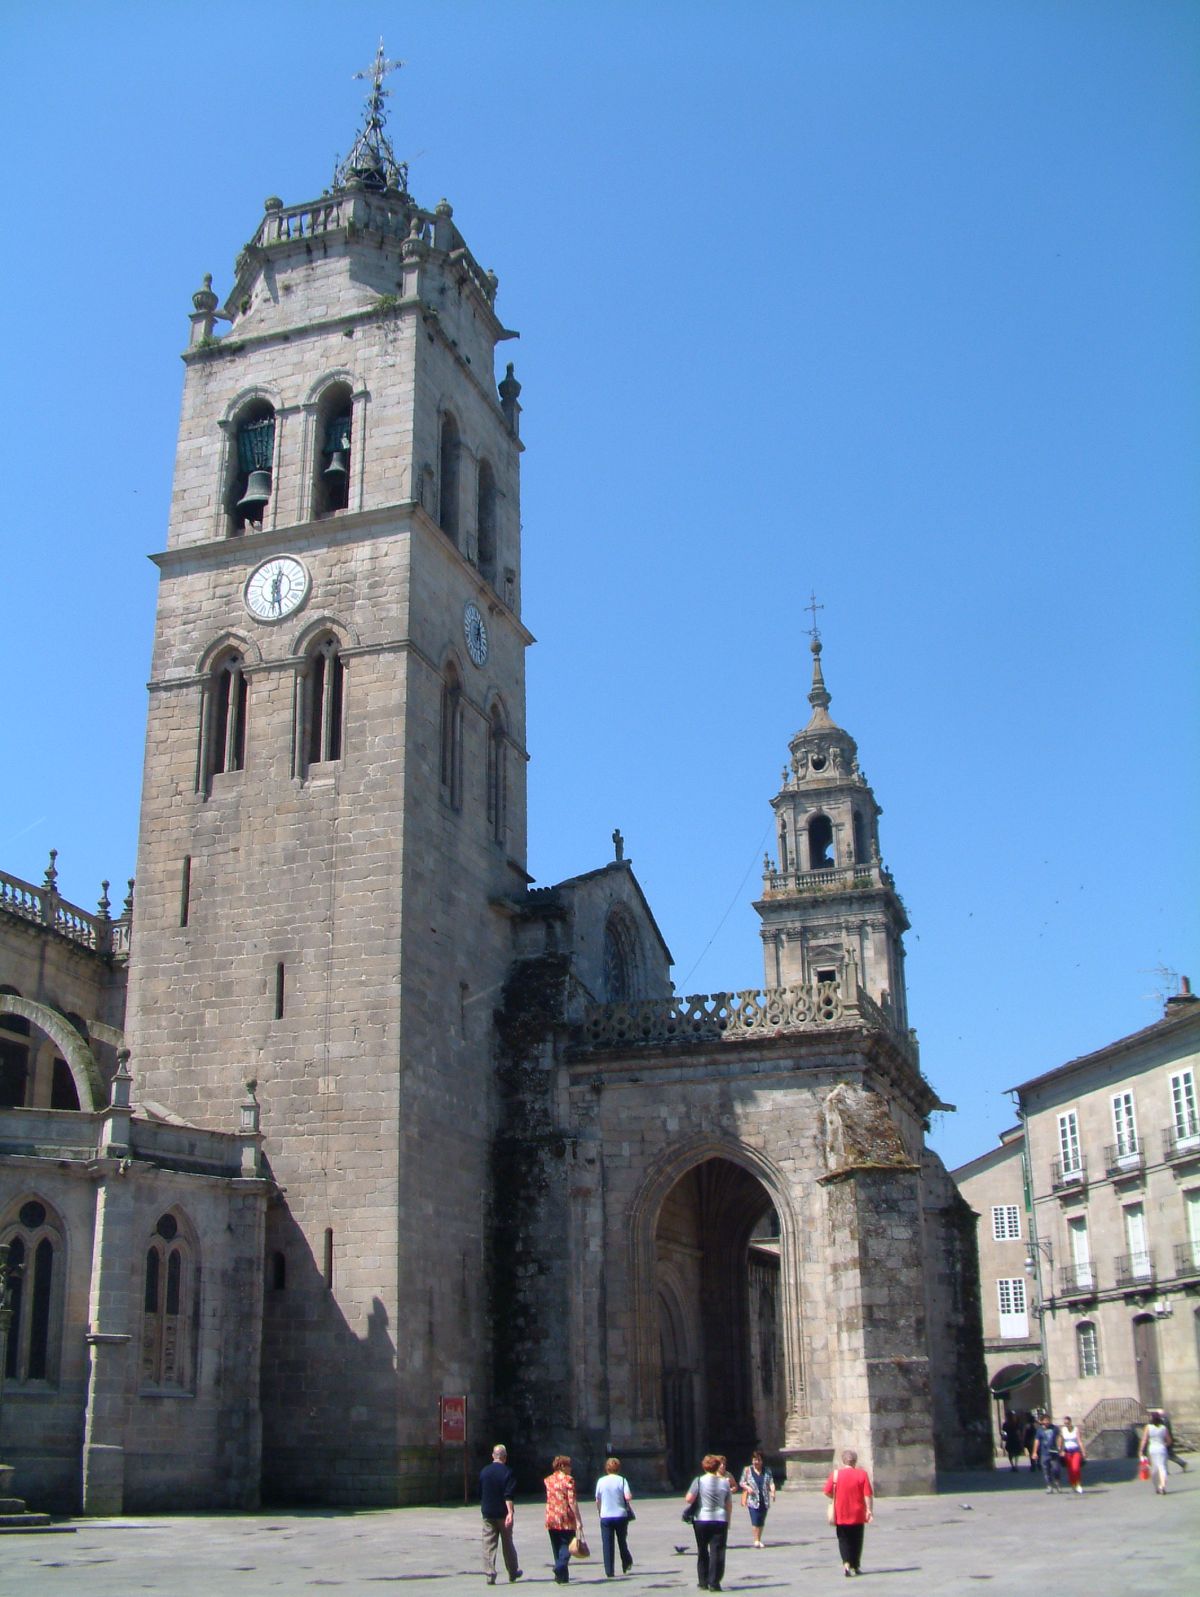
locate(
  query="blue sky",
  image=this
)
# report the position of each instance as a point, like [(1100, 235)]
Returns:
[(893, 302)]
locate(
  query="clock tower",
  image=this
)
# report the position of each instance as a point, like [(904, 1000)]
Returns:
[(333, 810)]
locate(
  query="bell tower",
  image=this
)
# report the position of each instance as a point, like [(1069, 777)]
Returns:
[(333, 809), (828, 900)]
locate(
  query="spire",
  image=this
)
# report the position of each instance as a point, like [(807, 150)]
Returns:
[(819, 695), (372, 162)]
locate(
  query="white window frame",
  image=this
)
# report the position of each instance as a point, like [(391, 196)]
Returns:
[(1069, 1150), (1006, 1222), (1081, 1250), (1124, 1120), (1087, 1349), (1183, 1109), (1012, 1306), (1137, 1242)]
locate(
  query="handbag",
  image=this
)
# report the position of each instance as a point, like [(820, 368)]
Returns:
[(830, 1517), (629, 1513), (1143, 1469), (579, 1547)]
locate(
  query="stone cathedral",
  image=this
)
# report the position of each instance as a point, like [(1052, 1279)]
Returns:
[(343, 1113)]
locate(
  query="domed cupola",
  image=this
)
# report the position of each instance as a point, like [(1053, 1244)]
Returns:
[(827, 900)]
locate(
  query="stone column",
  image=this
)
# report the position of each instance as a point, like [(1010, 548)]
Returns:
[(110, 1332)]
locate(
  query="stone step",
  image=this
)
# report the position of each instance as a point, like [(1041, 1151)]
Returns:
[(14, 1522)]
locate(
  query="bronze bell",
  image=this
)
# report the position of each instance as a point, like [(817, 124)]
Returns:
[(335, 471), (258, 492)]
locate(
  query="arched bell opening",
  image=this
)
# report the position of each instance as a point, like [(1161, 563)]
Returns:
[(718, 1279)]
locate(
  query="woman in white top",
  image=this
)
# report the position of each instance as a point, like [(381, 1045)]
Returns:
[(1071, 1448), (1156, 1439), (615, 1502)]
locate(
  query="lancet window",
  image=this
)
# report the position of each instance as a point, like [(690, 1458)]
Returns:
[(452, 738), (35, 1290), (227, 706), (448, 461), (325, 690), (485, 521), (170, 1297), (334, 433), (497, 774)]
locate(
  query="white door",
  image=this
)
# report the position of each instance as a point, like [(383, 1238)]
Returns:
[(1014, 1316), (1068, 1142), (1124, 1127)]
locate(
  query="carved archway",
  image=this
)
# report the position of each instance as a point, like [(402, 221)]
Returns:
[(762, 1188)]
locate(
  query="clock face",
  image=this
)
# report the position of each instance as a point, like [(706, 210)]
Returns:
[(475, 633), (277, 588)]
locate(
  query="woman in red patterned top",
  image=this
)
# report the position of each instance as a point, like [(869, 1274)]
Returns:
[(562, 1516), (853, 1504)]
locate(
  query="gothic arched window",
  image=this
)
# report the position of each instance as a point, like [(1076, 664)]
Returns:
[(35, 1276), (622, 959), (485, 521), (228, 694), (448, 455), (324, 691), (334, 429), (251, 467), (170, 1298), (451, 738), (497, 774)]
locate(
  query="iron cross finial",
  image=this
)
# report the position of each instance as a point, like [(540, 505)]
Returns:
[(812, 607), (378, 70)]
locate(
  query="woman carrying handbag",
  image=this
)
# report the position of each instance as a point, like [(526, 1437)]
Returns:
[(615, 1503)]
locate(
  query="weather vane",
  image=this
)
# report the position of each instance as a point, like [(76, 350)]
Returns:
[(372, 161)]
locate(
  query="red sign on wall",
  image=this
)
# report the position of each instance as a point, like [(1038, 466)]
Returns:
[(453, 1419)]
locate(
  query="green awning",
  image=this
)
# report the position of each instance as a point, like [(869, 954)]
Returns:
[(1008, 1380)]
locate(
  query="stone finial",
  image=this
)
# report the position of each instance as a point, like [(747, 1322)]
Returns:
[(50, 880), (509, 390), (272, 203), (121, 1090), (127, 907), (819, 695), (618, 844), (105, 905), (248, 1113), (443, 208), (204, 299)]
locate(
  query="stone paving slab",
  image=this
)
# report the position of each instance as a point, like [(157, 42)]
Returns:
[(998, 1529)]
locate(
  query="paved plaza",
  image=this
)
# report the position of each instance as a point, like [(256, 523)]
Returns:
[(1000, 1528)]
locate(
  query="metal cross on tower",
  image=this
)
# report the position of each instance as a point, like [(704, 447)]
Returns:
[(812, 607)]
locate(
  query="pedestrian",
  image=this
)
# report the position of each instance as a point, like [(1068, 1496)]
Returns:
[(851, 1509), (1029, 1440), (1173, 1445), (615, 1503), (712, 1499), (1045, 1451), (497, 1494), (1071, 1446), (1012, 1432), (758, 1493), (1156, 1442), (563, 1520)]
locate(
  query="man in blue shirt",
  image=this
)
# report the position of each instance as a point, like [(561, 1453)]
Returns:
[(1045, 1451), (497, 1490)]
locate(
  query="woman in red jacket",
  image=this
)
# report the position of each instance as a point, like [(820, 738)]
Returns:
[(850, 1509)]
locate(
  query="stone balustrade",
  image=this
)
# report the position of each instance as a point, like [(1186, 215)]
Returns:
[(752, 1013), (373, 214), (833, 879), (44, 907)]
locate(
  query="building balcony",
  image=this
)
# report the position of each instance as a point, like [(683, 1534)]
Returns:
[(1077, 1281), (1135, 1272), (1068, 1175), (1187, 1261), (1182, 1140), (1124, 1159)]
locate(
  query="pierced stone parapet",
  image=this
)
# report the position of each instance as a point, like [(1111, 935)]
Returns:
[(754, 1012)]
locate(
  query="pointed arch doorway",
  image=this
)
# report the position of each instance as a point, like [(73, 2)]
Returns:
[(717, 1271)]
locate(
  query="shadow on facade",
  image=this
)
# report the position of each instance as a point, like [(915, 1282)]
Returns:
[(330, 1397)]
